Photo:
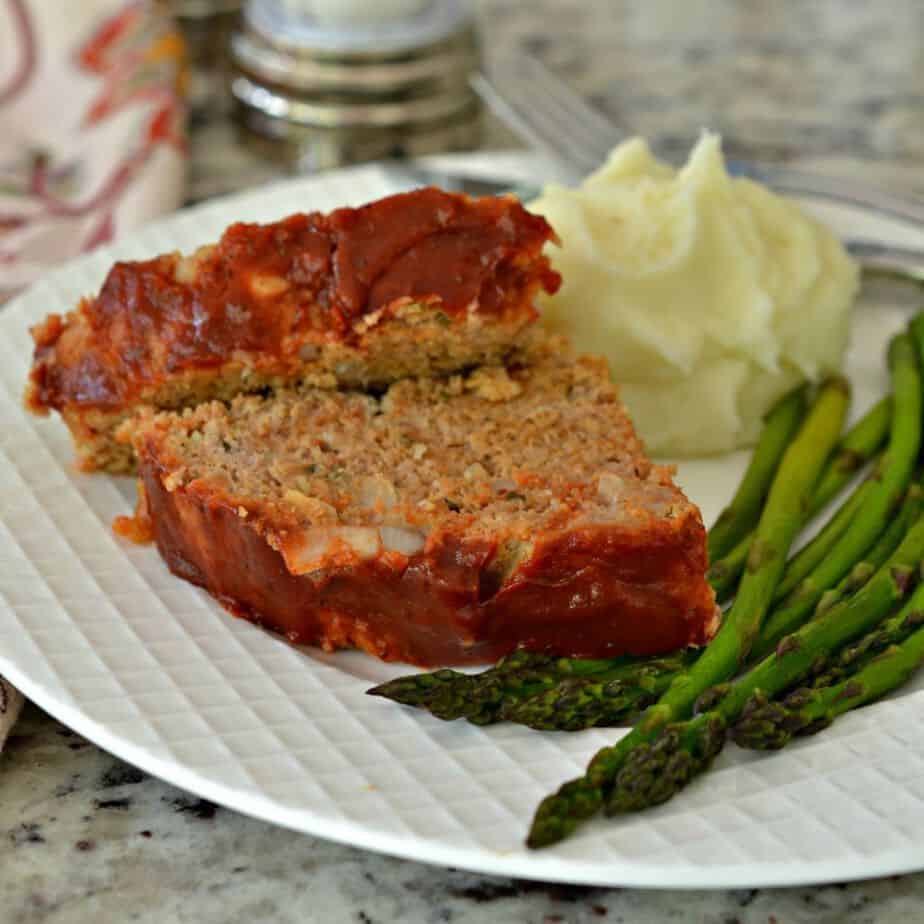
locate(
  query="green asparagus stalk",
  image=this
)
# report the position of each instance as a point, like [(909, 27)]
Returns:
[(916, 331), (452, 693), (482, 698), (884, 546), (739, 518), (768, 725), (723, 575), (813, 553), (782, 516), (858, 446), (585, 702), (850, 658), (882, 495), (694, 743)]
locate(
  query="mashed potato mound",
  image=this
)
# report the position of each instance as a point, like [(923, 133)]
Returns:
[(709, 296)]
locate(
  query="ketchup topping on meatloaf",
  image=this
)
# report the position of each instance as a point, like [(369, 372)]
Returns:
[(264, 286)]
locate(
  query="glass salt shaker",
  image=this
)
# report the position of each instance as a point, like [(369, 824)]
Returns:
[(323, 83)]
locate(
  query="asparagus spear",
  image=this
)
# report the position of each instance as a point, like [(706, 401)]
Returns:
[(693, 744), (559, 814), (859, 444), (857, 447), (863, 570), (450, 691), (881, 497), (852, 657), (811, 555), (723, 575), (741, 515), (584, 702), (481, 698), (771, 725), (916, 330)]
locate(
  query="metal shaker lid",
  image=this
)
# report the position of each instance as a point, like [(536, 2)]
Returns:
[(432, 68), (341, 114), (341, 95)]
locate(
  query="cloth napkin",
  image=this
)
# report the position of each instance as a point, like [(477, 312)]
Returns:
[(92, 140), (91, 128)]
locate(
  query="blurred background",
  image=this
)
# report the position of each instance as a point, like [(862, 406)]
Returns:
[(278, 87), (832, 83)]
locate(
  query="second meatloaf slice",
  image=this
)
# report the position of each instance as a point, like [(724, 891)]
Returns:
[(444, 522)]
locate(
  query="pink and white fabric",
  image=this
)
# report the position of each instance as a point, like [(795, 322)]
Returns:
[(92, 127)]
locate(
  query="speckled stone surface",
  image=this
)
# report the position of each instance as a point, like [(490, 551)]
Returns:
[(836, 84)]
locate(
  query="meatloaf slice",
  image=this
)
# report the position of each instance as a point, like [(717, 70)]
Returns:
[(423, 283), (445, 522)]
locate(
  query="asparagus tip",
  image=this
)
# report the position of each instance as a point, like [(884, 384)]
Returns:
[(559, 814)]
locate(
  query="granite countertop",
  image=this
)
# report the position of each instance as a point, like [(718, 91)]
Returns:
[(84, 837)]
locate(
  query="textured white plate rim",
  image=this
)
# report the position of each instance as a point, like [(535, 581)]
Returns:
[(545, 865)]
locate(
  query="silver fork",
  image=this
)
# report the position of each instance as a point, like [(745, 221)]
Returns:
[(553, 118)]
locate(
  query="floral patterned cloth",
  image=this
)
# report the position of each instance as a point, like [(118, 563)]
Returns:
[(92, 129)]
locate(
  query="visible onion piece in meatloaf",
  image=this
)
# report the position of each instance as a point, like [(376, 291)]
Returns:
[(422, 283), (445, 521)]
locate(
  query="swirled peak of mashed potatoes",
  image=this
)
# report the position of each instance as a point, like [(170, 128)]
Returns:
[(710, 296)]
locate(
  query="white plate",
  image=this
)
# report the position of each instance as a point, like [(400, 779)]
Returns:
[(98, 633)]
